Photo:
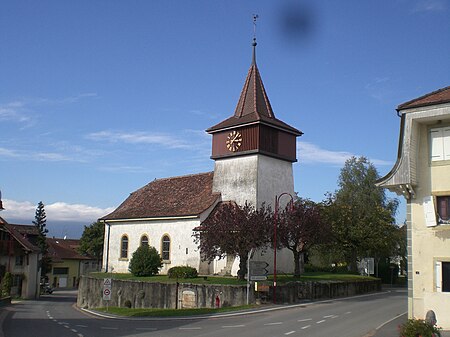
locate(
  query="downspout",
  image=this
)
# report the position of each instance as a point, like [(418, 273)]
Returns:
[(107, 248)]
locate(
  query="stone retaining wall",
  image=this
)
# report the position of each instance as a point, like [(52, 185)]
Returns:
[(137, 294)]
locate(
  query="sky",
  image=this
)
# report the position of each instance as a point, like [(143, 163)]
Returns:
[(99, 98)]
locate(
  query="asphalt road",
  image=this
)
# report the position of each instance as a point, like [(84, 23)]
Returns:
[(55, 316)]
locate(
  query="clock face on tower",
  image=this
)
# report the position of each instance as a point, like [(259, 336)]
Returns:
[(234, 141)]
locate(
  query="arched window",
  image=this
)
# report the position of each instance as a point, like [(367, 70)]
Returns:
[(165, 248), (144, 240), (124, 247)]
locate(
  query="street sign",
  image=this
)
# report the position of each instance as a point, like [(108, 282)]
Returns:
[(258, 268), (106, 294), (107, 289), (258, 278)]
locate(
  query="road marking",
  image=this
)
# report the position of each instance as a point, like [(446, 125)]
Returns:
[(80, 335), (306, 327), (50, 317), (147, 329), (334, 316), (193, 328), (81, 326), (274, 323), (67, 327), (109, 328), (348, 312), (233, 326), (394, 318), (73, 330), (305, 320), (328, 316), (289, 333), (320, 321)]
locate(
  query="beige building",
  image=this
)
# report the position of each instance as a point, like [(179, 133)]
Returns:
[(422, 175)]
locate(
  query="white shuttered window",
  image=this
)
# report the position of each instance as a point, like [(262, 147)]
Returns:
[(440, 144)]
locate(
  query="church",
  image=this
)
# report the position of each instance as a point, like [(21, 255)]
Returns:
[(253, 153)]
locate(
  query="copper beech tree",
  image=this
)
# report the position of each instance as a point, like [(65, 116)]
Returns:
[(300, 227), (232, 229)]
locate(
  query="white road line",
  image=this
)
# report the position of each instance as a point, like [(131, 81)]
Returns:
[(73, 330), (378, 328), (334, 316), (50, 317), (274, 323), (328, 316), (67, 327), (289, 333), (320, 321), (348, 312), (81, 326), (146, 329), (305, 320), (109, 328), (193, 328), (306, 327), (233, 326), (80, 335)]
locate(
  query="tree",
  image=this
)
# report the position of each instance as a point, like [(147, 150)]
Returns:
[(235, 230), (145, 261), (41, 223), (299, 228), (5, 285), (91, 242), (360, 214)]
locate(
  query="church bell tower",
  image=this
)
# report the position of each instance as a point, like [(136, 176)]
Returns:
[(253, 150)]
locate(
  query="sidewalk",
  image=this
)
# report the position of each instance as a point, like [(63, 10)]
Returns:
[(391, 329)]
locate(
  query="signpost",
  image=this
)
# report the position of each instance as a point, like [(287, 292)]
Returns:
[(107, 289), (258, 270)]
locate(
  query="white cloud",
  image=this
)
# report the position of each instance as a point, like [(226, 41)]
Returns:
[(58, 211), (15, 112), (429, 6), (161, 139), (8, 153), (313, 154)]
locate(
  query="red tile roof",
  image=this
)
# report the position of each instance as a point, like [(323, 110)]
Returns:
[(176, 196), (436, 97), (253, 106), (64, 249), (23, 234)]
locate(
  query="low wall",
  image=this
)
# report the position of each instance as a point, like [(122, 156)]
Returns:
[(137, 294)]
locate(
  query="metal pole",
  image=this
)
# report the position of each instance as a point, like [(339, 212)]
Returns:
[(248, 273), (275, 252)]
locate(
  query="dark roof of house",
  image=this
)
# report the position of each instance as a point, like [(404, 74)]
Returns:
[(176, 196), (253, 105), (436, 97), (64, 249), (23, 234)]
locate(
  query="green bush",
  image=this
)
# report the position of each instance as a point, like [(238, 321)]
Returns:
[(418, 327), (145, 261), (6, 285), (182, 272)]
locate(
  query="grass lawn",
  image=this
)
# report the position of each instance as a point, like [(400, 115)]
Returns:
[(316, 276), (169, 312)]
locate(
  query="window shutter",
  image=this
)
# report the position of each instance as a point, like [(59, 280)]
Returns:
[(437, 144), (446, 145), (438, 276), (429, 211)]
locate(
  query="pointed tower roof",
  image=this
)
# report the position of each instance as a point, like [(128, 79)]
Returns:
[(253, 105)]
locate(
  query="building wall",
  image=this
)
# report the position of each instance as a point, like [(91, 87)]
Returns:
[(183, 250), (428, 244), (69, 279)]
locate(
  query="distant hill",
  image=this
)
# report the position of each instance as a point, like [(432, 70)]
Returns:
[(58, 229)]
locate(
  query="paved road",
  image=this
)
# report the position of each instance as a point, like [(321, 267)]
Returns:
[(55, 316)]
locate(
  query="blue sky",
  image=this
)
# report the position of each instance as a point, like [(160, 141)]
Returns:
[(98, 98)]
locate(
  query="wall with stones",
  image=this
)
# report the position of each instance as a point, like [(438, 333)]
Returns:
[(185, 295)]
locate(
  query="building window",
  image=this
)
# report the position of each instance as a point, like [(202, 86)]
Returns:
[(19, 260), (446, 276), (144, 240), (60, 271), (440, 144), (443, 209), (124, 247), (165, 251)]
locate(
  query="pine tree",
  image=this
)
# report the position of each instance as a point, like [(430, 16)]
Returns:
[(41, 222)]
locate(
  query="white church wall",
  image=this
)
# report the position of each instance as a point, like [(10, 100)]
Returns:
[(183, 250), (236, 179)]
